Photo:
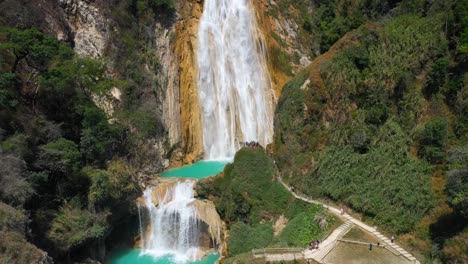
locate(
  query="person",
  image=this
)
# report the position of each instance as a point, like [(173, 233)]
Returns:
[(378, 244), (392, 238), (310, 246), (370, 246), (341, 211), (317, 244)]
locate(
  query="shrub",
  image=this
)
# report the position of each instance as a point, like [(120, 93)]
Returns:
[(74, 226), (457, 180), (16, 249), (14, 188), (248, 191), (30, 45), (437, 76), (167, 4), (304, 227), (245, 238), (385, 183), (60, 156), (12, 219), (433, 140)]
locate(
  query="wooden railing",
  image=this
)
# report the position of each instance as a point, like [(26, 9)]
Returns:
[(258, 253)]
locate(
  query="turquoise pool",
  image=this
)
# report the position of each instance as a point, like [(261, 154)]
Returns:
[(199, 170), (132, 256)]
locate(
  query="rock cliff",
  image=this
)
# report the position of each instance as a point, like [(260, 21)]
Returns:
[(89, 26), (186, 46)]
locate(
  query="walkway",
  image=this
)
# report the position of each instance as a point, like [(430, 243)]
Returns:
[(326, 248), (328, 244)]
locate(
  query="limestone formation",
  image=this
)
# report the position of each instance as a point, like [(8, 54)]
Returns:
[(167, 192), (89, 26), (186, 47)]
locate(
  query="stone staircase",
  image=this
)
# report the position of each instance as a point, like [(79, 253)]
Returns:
[(328, 244)]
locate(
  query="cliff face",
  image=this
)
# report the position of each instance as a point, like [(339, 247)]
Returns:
[(287, 50), (90, 28), (186, 47)]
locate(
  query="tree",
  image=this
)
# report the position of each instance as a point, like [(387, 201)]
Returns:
[(73, 226), (14, 188), (60, 156), (457, 179), (113, 186), (463, 45), (98, 138), (437, 76), (433, 139), (30, 45)]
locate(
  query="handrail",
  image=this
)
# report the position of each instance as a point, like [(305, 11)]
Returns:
[(383, 245), (274, 250)]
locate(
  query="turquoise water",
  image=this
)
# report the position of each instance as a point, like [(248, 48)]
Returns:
[(133, 257), (199, 170)]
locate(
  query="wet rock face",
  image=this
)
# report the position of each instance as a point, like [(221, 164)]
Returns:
[(89, 26), (186, 52)]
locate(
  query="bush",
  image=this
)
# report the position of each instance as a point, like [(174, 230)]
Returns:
[(244, 238), (99, 140), (60, 156), (12, 219), (18, 145), (248, 191), (14, 188), (456, 248), (437, 77), (73, 226), (457, 180), (14, 248), (31, 45), (433, 140), (385, 183), (167, 4), (305, 227)]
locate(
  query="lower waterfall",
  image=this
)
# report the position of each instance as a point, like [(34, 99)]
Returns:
[(174, 226)]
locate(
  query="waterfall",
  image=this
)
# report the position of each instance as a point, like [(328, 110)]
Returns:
[(234, 86), (174, 224)]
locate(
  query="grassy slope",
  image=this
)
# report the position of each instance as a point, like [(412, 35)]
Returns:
[(250, 199), (358, 132)]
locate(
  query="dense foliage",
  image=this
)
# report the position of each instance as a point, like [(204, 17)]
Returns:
[(378, 120), (249, 197), (385, 183), (52, 137)]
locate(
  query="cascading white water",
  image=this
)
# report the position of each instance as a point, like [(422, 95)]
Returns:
[(174, 228), (234, 86)]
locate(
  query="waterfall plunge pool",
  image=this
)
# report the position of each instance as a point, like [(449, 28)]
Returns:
[(133, 256), (198, 170)]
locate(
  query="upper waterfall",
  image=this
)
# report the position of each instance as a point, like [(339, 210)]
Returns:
[(235, 90)]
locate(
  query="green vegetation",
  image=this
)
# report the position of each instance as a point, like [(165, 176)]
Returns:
[(52, 137), (73, 226), (385, 183), (388, 120), (281, 61), (433, 140), (245, 238), (457, 179), (304, 227), (250, 199), (63, 159)]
